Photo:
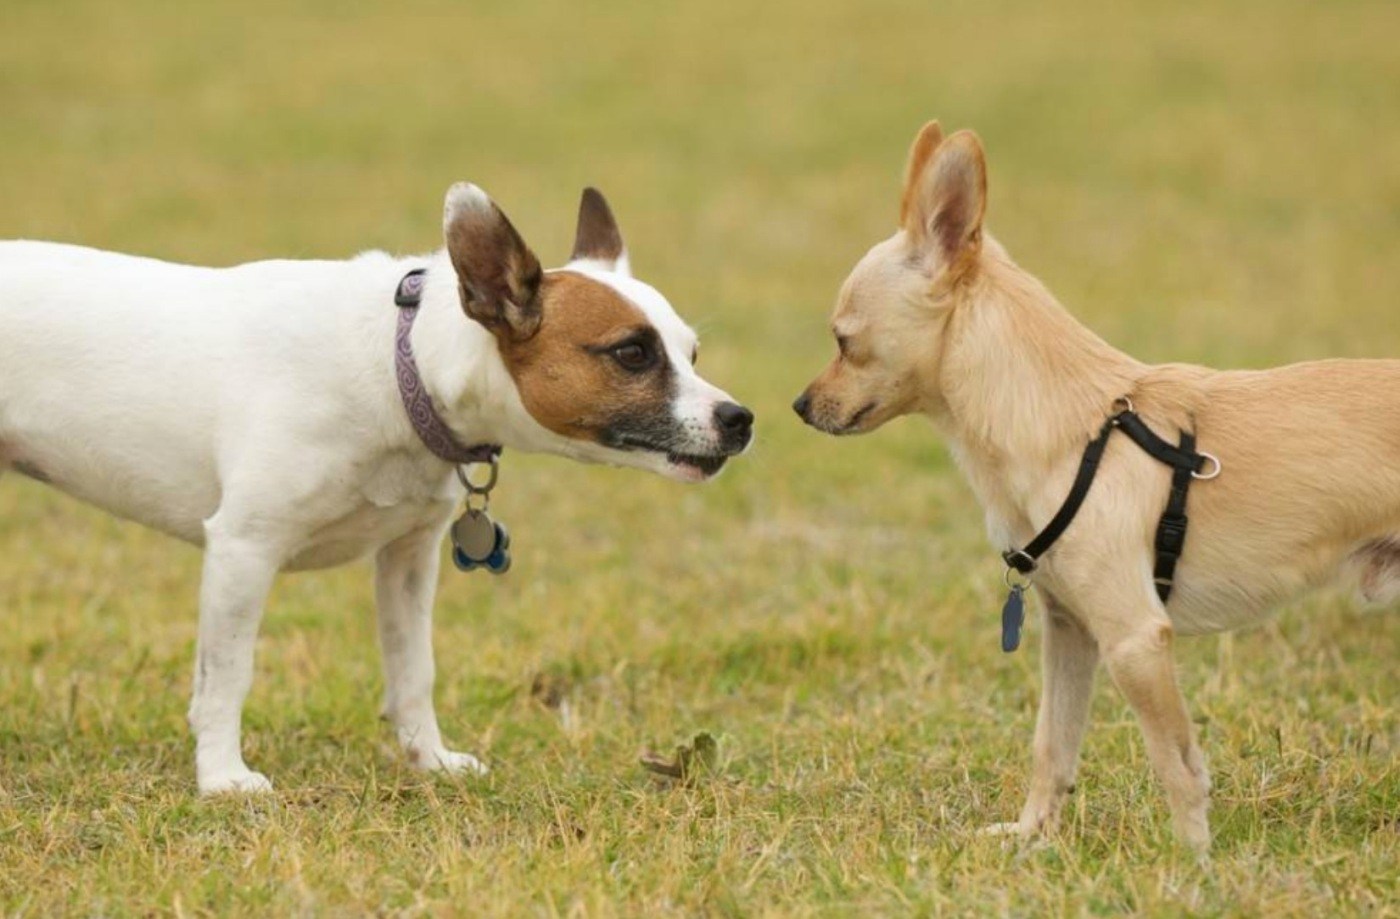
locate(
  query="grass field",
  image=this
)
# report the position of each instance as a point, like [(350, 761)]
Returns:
[(1202, 181)]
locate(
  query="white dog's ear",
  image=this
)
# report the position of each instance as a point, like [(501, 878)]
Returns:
[(945, 200), (598, 239), (498, 275)]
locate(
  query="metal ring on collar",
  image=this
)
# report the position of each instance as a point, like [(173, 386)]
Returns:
[(474, 489), (1214, 472), (1126, 402)]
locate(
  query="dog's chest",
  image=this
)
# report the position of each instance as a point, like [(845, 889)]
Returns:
[(396, 496), (402, 478)]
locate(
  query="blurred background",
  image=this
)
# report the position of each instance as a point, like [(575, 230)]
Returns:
[(1198, 181)]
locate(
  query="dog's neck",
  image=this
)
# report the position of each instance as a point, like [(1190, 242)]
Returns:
[(461, 367), (1022, 383)]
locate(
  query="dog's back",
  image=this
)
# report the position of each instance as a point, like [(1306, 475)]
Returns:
[(122, 378), (1313, 451)]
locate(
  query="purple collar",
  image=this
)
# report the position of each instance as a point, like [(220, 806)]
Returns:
[(427, 423)]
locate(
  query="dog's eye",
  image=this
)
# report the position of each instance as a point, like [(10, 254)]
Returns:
[(634, 355), (842, 343), (694, 356)]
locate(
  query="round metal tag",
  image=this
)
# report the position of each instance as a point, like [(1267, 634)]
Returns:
[(475, 534)]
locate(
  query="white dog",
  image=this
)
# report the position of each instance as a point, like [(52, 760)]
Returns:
[(270, 413)]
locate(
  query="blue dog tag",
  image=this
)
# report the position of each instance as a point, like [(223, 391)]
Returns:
[(1012, 615)]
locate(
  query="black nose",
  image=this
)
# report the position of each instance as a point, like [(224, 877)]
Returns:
[(801, 404), (733, 418)]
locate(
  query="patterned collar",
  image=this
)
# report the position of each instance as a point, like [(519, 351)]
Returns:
[(427, 423)]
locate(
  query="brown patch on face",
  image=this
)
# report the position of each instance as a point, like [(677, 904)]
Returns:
[(567, 377)]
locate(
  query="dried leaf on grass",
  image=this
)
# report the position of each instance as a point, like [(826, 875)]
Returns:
[(690, 760)]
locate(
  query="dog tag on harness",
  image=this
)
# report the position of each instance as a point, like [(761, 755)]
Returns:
[(1013, 614), (474, 535)]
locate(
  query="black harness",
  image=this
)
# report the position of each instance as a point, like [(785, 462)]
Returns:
[(1186, 463)]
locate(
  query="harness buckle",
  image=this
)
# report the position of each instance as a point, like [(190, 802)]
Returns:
[(1019, 560), (1171, 535), (410, 290)]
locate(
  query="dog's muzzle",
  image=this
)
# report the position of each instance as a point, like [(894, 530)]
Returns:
[(802, 405), (735, 426), (821, 419)]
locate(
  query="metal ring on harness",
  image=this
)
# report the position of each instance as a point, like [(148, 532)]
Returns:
[(1204, 476), (1018, 585)]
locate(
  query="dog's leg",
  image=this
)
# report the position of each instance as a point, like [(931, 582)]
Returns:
[(1068, 659), (1377, 566), (1139, 659), (406, 573), (238, 573)]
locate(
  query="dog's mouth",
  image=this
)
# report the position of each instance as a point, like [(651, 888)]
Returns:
[(700, 466), (689, 467), (852, 425)]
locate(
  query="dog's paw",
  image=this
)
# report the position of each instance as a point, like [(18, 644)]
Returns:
[(1018, 835), (235, 782), (444, 760), (1194, 832)]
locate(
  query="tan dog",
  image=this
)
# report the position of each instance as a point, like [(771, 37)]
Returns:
[(938, 320)]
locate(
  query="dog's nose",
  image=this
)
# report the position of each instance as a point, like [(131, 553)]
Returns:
[(801, 404), (733, 418)]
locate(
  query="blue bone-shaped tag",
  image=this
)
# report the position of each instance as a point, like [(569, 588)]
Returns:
[(480, 542)]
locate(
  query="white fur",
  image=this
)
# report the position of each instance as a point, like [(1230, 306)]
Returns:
[(253, 410)]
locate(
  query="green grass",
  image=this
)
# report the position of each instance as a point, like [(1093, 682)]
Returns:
[(1199, 181)]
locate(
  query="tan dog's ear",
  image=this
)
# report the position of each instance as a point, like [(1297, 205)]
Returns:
[(498, 275), (598, 239), (930, 136), (948, 199)]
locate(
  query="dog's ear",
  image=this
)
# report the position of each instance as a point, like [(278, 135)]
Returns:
[(930, 136), (498, 275), (598, 239), (948, 199)]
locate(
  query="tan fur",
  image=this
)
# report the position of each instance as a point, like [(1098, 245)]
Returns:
[(925, 143), (940, 321), (565, 385)]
